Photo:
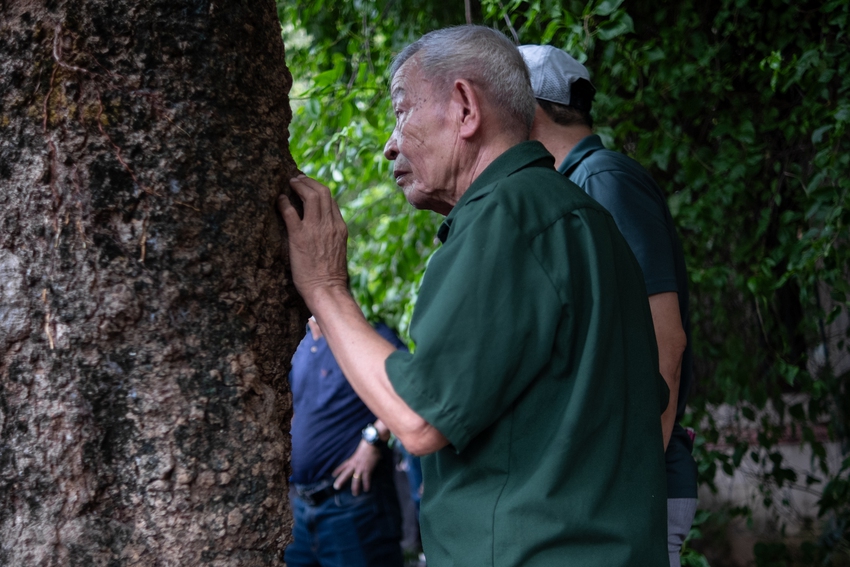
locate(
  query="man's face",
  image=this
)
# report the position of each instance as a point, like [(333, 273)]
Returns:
[(424, 141)]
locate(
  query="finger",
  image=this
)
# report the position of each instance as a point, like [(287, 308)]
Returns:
[(287, 211), (310, 188), (312, 184), (298, 187), (343, 477), (355, 484), (366, 479), (322, 194), (308, 194), (337, 214)]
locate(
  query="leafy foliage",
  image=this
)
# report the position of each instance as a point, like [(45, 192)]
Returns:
[(339, 53), (740, 110)]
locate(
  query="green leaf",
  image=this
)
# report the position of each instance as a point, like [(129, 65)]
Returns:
[(654, 55), (326, 78), (345, 114), (817, 135), (615, 27), (607, 7), (551, 29)]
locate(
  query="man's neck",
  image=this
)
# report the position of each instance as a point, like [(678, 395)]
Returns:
[(559, 140), (485, 157), (476, 161)]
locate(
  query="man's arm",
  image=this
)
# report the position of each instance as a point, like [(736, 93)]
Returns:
[(638, 208), (317, 248), (672, 341)]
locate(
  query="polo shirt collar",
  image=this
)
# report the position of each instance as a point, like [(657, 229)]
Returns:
[(524, 154), (584, 148)]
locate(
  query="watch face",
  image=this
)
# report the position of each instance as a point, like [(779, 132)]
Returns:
[(370, 434)]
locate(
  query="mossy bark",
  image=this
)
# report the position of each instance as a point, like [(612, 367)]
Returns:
[(146, 320)]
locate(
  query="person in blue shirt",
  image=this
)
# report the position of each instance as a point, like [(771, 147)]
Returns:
[(345, 506)]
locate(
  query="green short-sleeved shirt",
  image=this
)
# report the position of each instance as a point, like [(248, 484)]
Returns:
[(535, 356), (625, 188)]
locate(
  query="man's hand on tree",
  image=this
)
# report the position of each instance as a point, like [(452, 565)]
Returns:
[(317, 242), (358, 467)]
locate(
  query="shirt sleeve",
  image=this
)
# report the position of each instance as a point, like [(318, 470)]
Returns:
[(484, 326), (639, 209)]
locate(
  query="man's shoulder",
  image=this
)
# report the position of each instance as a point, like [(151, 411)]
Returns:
[(616, 180), (541, 194), (612, 162), (531, 203)]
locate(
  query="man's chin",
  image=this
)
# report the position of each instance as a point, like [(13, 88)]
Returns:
[(413, 197), (423, 201)]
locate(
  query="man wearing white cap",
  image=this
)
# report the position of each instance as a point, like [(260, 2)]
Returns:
[(563, 124)]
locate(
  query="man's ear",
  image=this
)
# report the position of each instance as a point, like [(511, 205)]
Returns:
[(466, 103)]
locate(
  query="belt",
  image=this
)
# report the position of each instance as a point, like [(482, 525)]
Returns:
[(315, 494)]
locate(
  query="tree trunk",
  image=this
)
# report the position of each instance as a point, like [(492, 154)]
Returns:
[(146, 322)]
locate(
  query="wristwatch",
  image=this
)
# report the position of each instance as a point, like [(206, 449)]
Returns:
[(371, 436)]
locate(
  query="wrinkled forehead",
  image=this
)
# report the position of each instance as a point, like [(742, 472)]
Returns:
[(405, 79)]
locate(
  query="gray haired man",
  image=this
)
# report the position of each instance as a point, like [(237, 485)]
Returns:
[(533, 391), (563, 124)]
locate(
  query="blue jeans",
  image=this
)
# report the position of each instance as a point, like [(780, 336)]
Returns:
[(348, 531), (413, 470)]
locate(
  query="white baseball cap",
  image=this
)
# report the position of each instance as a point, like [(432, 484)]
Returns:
[(552, 72)]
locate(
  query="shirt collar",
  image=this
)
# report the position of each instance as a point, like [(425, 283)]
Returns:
[(584, 148), (524, 154)]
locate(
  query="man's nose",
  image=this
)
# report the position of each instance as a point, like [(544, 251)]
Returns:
[(391, 148)]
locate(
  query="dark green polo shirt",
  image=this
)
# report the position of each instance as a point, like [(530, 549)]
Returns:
[(535, 356), (625, 188)]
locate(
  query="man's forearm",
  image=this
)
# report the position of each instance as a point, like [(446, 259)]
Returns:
[(383, 431), (317, 252), (671, 339), (361, 354), (668, 418)]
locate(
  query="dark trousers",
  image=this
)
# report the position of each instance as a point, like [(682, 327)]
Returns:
[(348, 531)]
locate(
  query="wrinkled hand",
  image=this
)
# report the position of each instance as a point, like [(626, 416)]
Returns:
[(358, 467), (317, 243)]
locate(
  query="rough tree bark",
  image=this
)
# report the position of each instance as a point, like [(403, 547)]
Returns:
[(146, 322)]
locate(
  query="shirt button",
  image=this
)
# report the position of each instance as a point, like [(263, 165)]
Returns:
[(313, 349)]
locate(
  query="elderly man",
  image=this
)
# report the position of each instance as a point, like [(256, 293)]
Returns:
[(534, 391), (563, 124)]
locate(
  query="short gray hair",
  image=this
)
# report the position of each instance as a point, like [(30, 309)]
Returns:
[(482, 56)]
